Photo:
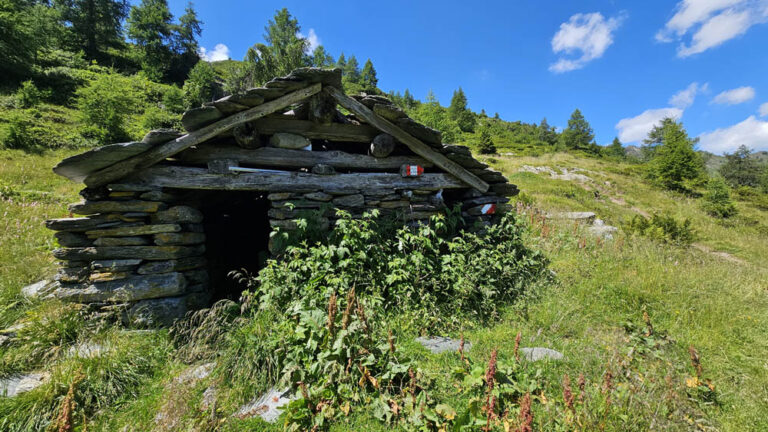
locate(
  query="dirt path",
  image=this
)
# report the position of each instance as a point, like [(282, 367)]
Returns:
[(724, 255)]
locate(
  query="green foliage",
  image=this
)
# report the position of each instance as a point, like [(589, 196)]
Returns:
[(674, 161), (284, 50), (460, 113), (368, 77), (28, 95), (717, 199), (321, 57), (615, 150), (740, 169), (486, 143), (37, 129), (201, 86), (547, 133), (664, 228), (579, 134), (150, 26), (105, 105), (431, 114), (93, 25)]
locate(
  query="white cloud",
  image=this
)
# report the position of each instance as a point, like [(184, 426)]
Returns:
[(584, 35), (219, 52), (635, 129), (312, 38), (735, 96), (711, 22), (684, 98), (764, 110), (752, 133)]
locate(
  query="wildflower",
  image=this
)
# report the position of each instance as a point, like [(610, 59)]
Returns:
[(517, 345), (695, 361), (582, 383), (331, 313), (348, 310), (567, 393), (526, 415)]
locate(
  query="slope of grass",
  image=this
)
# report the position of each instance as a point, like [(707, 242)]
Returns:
[(591, 313)]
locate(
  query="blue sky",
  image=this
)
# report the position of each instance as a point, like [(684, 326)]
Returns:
[(625, 64)]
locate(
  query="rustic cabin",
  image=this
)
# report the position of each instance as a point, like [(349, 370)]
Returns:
[(164, 220)]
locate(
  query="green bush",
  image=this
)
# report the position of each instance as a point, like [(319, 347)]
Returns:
[(201, 85), (717, 199), (663, 228), (28, 95), (105, 105), (486, 143)]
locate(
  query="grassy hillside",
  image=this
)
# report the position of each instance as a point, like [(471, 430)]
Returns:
[(710, 296)]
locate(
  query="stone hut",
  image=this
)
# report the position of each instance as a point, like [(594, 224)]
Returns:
[(164, 220)]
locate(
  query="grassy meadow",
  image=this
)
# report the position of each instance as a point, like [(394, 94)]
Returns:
[(625, 313)]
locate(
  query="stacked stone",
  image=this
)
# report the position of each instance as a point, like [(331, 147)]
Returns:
[(133, 251)]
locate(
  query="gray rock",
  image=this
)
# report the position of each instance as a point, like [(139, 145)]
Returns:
[(121, 241), (39, 289), (87, 350), (389, 112), (178, 214), (115, 265), (93, 207), (318, 196), (250, 97), (198, 118), (356, 200), (600, 229), (77, 167), (71, 239), (163, 312), (323, 169), (184, 238), (268, 406), (331, 77), (160, 136), (587, 217), (130, 289), (439, 344), (195, 373), (15, 385), (383, 145), (182, 264), (537, 353), (209, 398), (289, 141), (227, 106)]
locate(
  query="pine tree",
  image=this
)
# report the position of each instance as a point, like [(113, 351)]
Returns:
[(717, 199), (486, 145), (656, 137), (547, 133), (351, 70), (615, 149), (368, 76), (740, 169), (201, 85), (675, 161), (150, 26), (459, 112), (579, 134), (410, 101), (185, 44), (321, 57), (341, 63), (283, 52), (94, 25)]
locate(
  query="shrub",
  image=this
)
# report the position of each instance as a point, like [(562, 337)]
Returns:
[(486, 143), (740, 169), (717, 199), (663, 228), (28, 95), (201, 85), (105, 105)]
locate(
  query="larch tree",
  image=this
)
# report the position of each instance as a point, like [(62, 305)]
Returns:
[(579, 134), (321, 57), (150, 26), (94, 25), (368, 76), (283, 51)]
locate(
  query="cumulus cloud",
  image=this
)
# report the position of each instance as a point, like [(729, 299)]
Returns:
[(735, 96), (218, 53), (585, 37), (684, 98), (764, 110), (711, 23), (312, 38), (635, 129), (752, 133)]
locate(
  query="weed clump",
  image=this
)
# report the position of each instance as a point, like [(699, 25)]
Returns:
[(663, 228)]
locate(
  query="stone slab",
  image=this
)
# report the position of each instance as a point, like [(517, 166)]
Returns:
[(441, 344), (77, 168), (125, 290)]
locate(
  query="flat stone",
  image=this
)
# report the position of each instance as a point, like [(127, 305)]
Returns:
[(184, 238), (161, 136), (600, 229), (15, 385), (537, 353), (287, 84), (107, 276), (439, 344), (279, 196), (455, 148), (318, 196), (504, 189), (356, 200), (163, 312), (331, 77), (267, 406), (198, 118), (127, 252), (78, 167), (182, 264), (427, 135), (134, 231), (195, 373), (394, 204), (489, 176), (323, 169), (129, 289), (587, 217), (115, 265), (39, 289), (370, 101), (71, 274), (249, 98), (227, 106), (289, 141), (178, 214), (70, 239), (121, 241), (157, 195), (93, 207), (389, 112)]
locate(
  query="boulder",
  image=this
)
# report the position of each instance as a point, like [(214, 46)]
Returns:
[(163, 312), (537, 353), (198, 118), (289, 141), (438, 344)]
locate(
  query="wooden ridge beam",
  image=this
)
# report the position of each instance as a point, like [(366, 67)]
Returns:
[(157, 154), (312, 130), (414, 144), (201, 178), (284, 158)]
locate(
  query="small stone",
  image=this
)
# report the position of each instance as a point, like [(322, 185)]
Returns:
[(184, 238), (121, 241), (318, 196), (289, 141), (15, 385), (38, 289), (537, 353), (322, 169), (178, 214), (439, 344), (389, 112), (160, 136), (197, 118), (268, 406), (356, 200)]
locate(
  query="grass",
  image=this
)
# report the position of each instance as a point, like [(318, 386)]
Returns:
[(693, 298)]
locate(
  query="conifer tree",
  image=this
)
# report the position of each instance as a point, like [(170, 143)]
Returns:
[(675, 160), (283, 52), (615, 149), (94, 25), (341, 63), (459, 112), (150, 26), (352, 70), (368, 76), (579, 134), (547, 133), (486, 145), (321, 57)]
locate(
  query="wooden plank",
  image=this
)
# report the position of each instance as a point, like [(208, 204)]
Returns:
[(284, 158), (414, 144), (312, 130), (157, 154), (201, 178)]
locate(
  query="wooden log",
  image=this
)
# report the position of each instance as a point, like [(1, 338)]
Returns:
[(295, 159), (187, 238), (78, 167), (247, 136), (382, 146), (121, 241), (312, 130), (134, 231), (414, 144), (130, 289), (198, 178), (94, 207), (158, 153), (321, 108), (505, 189), (174, 265), (154, 253)]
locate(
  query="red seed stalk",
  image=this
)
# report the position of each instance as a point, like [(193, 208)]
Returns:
[(582, 382), (568, 394), (695, 361), (348, 309), (517, 345), (331, 313), (526, 415)]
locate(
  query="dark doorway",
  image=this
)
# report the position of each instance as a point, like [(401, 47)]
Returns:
[(237, 235)]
